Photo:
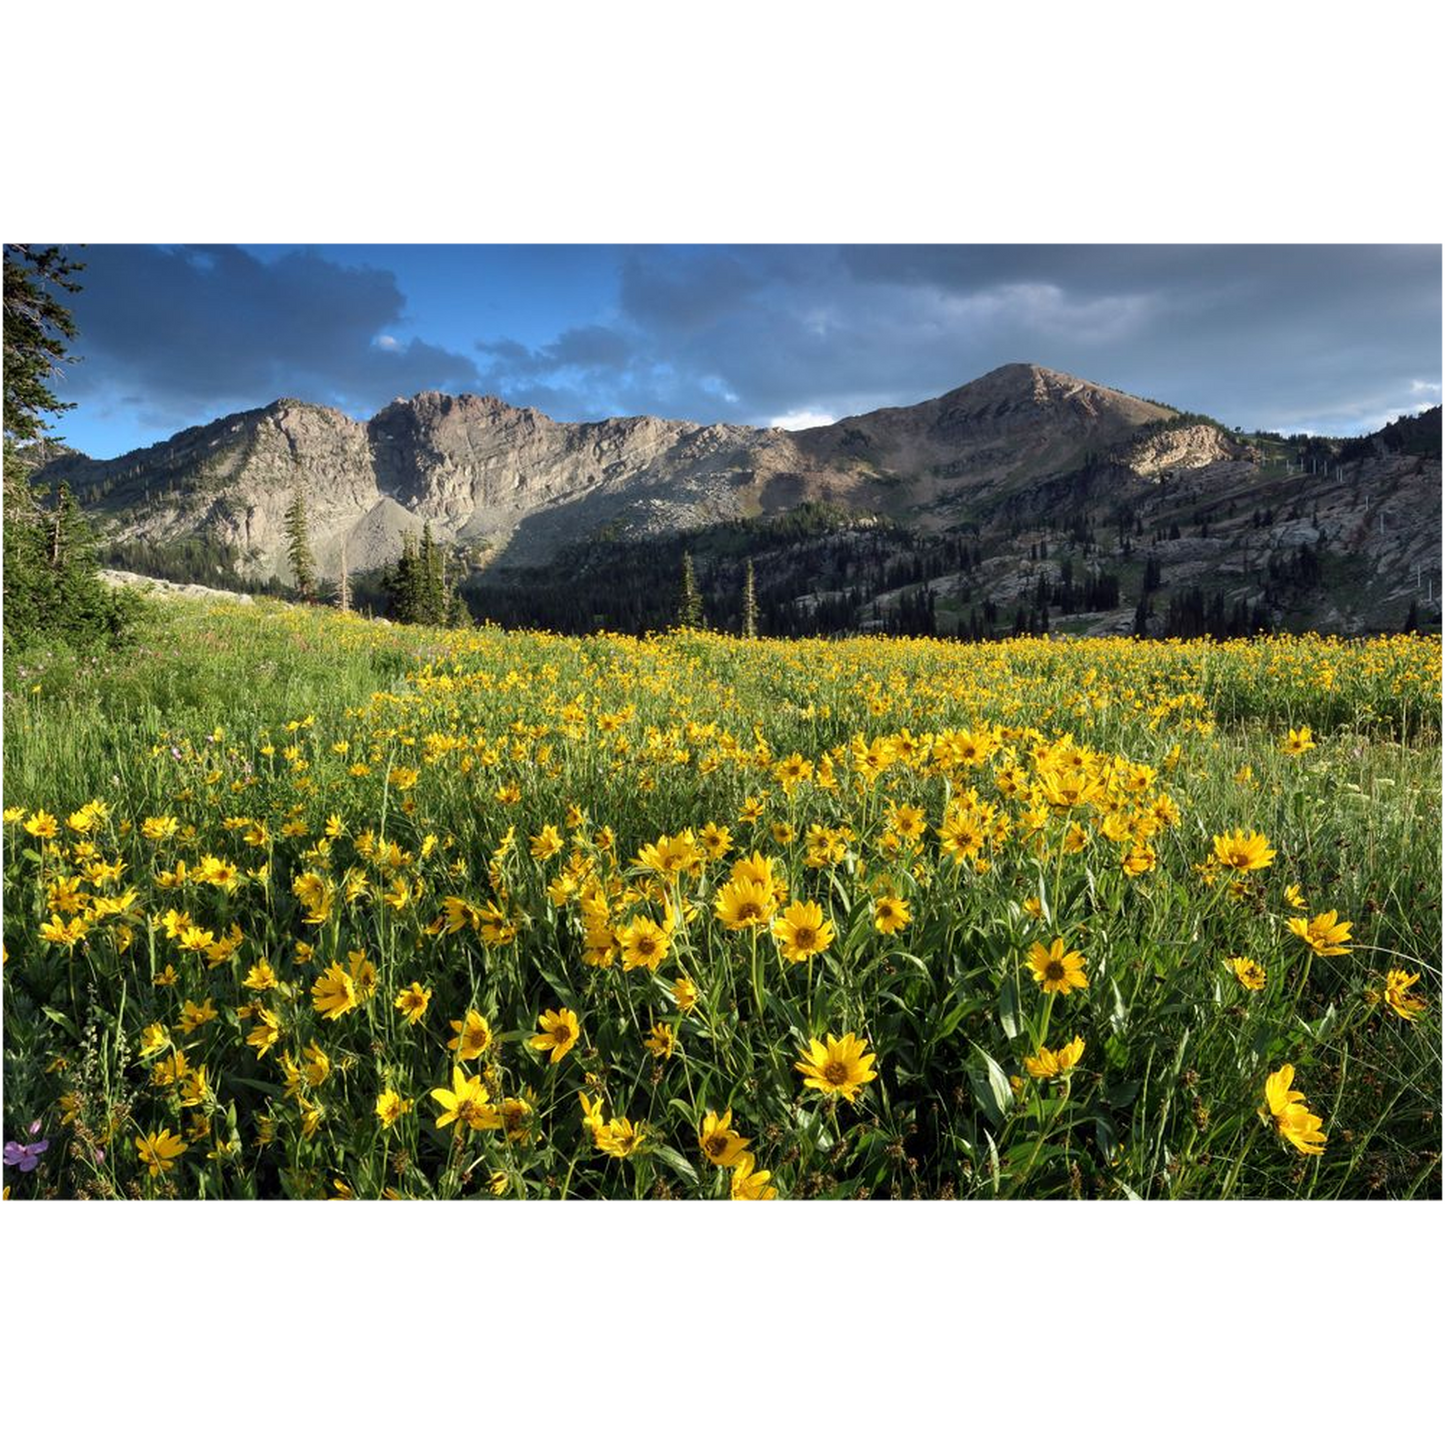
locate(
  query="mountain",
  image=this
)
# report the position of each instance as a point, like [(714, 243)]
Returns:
[(1031, 466), (518, 485)]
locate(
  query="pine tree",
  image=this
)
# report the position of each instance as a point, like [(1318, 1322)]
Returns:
[(37, 331), (455, 612), (52, 587), (750, 603), (1141, 616), (689, 605), (401, 583), (433, 603), (458, 614), (298, 548)]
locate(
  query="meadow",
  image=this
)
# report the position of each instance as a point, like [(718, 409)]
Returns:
[(299, 905)]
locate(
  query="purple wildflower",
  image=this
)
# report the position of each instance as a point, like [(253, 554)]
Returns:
[(25, 1156)]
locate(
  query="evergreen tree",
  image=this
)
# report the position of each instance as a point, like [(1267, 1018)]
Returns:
[(1141, 616), (750, 603), (432, 605), (38, 329), (689, 606), (402, 583), (52, 587), (298, 548), (457, 613)]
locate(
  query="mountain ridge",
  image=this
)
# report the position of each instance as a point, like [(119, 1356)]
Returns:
[(1022, 452), (520, 484)]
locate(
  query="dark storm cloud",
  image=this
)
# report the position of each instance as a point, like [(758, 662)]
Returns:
[(754, 333), (1308, 338), (689, 292), (1262, 335), (587, 347), (1293, 337), (197, 330)]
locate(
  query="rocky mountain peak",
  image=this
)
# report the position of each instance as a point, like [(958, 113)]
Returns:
[(1026, 383)]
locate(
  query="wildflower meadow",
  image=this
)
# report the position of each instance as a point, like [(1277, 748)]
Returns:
[(298, 905)]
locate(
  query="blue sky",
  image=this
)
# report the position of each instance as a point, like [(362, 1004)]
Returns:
[(1335, 339)]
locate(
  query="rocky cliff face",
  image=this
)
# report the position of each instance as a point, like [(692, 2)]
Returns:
[(517, 486), (232, 481), (1183, 448)]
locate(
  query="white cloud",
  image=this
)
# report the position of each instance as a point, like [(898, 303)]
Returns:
[(386, 343), (1425, 388), (798, 420)]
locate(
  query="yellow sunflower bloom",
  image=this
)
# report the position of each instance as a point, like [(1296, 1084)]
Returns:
[(466, 1104), (1051, 1064), (890, 914), (802, 931), (744, 903), (1397, 994), (390, 1106), (719, 1141), (159, 1152), (1244, 852), (1249, 973), (1322, 933), (1055, 969), (1298, 741), (1289, 1115), (838, 1067), (644, 944), (411, 1002), (334, 993), (750, 1182), (560, 1030), (474, 1036)]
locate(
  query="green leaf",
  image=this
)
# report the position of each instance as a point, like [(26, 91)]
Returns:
[(676, 1163), (1104, 1137), (797, 1025), (56, 1017), (914, 960), (1008, 1009), (1118, 1013), (816, 1126), (955, 1017), (990, 1088), (993, 1163)]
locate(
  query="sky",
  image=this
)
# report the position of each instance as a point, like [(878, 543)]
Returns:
[(1334, 339)]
